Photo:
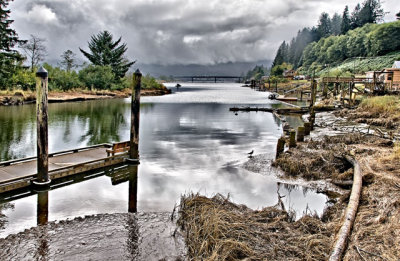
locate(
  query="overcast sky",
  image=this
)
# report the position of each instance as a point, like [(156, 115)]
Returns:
[(176, 31)]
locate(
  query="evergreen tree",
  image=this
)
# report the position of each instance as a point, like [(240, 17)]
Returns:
[(336, 23), (324, 26), (371, 12), (281, 55), (345, 26), (104, 51), (9, 58), (355, 17)]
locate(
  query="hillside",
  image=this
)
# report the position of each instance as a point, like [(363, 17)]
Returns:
[(360, 65)]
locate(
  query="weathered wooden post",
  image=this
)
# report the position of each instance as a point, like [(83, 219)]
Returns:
[(292, 138), (133, 179), (42, 128), (300, 133), (135, 116), (312, 118), (307, 128), (42, 208), (280, 147)]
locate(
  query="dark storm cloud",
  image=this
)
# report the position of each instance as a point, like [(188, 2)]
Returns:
[(172, 31)]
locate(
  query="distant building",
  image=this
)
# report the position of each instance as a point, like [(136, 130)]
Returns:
[(289, 74), (389, 76)]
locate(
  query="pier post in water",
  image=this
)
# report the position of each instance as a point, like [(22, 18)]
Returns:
[(292, 138), (135, 114), (280, 147), (42, 128), (300, 133)]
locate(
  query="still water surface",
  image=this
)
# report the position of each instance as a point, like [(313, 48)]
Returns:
[(189, 142)]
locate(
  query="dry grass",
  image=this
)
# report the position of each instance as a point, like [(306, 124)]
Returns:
[(383, 111), (381, 105), (217, 229)]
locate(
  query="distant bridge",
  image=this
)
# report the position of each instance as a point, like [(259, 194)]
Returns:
[(207, 78)]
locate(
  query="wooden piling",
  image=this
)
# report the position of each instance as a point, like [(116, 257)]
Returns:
[(280, 147), (292, 138), (312, 118), (133, 179), (42, 208), (42, 127), (300, 133), (135, 116), (307, 128)]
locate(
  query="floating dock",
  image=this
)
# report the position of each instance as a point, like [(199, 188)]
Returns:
[(20, 173)]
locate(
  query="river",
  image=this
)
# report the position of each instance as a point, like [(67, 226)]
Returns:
[(189, 142)]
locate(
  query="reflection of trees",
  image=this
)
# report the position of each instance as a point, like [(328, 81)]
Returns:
[(15, 123), (3, 218), (100, 120)]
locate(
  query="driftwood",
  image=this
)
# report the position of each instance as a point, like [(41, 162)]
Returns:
[(349, 215)]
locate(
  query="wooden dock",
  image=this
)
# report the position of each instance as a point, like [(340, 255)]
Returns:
[(16, 174)]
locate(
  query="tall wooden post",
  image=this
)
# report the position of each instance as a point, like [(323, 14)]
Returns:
[(42, 208), (133, 179), (135, 113), (42, 127)]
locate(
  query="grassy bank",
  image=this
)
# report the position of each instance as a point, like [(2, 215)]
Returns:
[(360, 65), (18, 97)]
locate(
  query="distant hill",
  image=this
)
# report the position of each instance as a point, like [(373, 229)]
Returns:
[(221, 69)]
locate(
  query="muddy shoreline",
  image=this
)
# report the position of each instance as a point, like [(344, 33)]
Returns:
[(128, 236), (20, 98)]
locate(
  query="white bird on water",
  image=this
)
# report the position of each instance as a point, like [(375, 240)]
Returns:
[(251, 153)]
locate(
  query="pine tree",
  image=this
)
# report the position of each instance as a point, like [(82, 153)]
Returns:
[(336, 23), (355, 17), (324, 25), (345, 26), (9, 58), (281, 55), (371, 12), (104, 51)]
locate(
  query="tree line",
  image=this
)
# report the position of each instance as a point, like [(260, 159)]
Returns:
[(107, 69), (311, 44)]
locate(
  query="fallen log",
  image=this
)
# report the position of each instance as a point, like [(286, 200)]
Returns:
[(349, 215)]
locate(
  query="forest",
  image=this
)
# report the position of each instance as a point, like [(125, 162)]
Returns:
[(333, 40)]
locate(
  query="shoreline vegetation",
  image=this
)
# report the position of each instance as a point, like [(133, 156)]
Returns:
[(19, 97), (217, 229)]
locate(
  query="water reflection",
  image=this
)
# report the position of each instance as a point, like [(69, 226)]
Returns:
[(133, 182), (184, 146), (42, 208)]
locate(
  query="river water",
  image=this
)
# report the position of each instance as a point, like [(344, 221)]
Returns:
[(189, 142)]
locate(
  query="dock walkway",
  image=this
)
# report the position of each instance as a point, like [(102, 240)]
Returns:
[(15, 174)]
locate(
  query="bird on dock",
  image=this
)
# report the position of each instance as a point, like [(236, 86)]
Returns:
[(251, 153)]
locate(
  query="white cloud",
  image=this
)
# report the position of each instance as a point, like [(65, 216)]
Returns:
[(41, 14)]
